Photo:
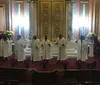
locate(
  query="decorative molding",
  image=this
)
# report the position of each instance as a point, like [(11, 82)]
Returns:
[(51, 19), (58, 24), (96, 18), (56, 21), (44, 19)]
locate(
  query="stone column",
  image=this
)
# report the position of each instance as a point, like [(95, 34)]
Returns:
[(68, 20), (33, 18)]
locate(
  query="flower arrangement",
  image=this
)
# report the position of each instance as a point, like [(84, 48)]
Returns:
[(9, 33), (91, 35)]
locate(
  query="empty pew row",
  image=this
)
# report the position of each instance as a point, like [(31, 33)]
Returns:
[(82, 75), (67, 77), (56, 77), (13, 74)]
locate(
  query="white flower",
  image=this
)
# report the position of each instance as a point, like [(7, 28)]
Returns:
[(91, 34)]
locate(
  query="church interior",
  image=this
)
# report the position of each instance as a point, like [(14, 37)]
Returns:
[(49, 42)]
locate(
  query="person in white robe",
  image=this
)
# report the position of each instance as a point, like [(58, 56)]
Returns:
[(46, 48), (82, 50), (35, 49), (19, 48), (91, 48), (10, 44), (3, 46), (61, 43)]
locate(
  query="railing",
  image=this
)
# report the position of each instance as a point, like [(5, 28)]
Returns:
[(57, 77)]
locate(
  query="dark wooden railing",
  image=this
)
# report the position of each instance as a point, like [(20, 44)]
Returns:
[(57, 77), (13, 74)]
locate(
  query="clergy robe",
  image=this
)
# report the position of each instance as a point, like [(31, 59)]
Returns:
[(10, 42), (35, 50), (83, 50), (46, 49), (91, 49), (19, 49), (3, 48), (61, 48)]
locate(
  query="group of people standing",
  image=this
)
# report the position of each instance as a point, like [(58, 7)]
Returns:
[(45, 45), (36, 45)]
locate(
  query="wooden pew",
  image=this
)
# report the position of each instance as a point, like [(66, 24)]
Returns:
[(13, 74), (44, 78), (81, 77), (75, 75)]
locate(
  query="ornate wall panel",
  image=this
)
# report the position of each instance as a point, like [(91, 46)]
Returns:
[(58, 25), (44, 19), (51, 18)]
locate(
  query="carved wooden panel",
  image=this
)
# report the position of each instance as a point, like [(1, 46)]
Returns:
[(51, 19), (57, 19), (44, 19)]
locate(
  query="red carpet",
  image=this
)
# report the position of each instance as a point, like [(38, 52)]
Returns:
[(50, 65)]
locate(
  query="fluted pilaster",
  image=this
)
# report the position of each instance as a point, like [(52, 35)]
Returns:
[(68, 20), (33, 18)]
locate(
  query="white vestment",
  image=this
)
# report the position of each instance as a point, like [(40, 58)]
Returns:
[(10, 47), (46, 49), (3, 48), (83, 50), (62, 48), (35, 50), (19, 49), (91, 49)]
